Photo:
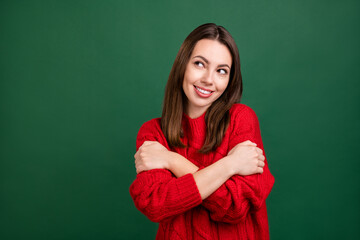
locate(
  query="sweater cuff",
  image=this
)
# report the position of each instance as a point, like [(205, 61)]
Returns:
[(190, 195)]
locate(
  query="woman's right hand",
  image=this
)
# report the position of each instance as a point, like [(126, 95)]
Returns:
[(151, 155), (246, 159)]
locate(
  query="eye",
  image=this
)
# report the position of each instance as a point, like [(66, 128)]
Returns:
[(222, 71), (199, 64)]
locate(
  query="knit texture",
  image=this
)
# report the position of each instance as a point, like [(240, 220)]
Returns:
[(236, 210)]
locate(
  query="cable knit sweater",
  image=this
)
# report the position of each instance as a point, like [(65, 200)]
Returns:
[(236, 210)]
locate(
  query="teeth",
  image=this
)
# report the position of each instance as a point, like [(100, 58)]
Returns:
[(202, 91)]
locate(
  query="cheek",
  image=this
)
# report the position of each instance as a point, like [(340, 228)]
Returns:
[(222, 85), (186, 78), (192, 76), (186, 85)]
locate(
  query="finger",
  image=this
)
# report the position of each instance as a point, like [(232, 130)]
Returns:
[(140, 147), (138, 155), (261, 164), (259, 150), (260, 170), (261, 157), (139, 168)]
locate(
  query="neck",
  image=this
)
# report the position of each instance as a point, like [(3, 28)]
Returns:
[(195, 112)]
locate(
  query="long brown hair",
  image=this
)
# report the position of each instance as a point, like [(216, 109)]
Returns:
[(217, 115)]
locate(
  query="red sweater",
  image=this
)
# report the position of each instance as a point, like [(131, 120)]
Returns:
[(236, 210)]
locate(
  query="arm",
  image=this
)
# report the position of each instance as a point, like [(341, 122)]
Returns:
[(157, 193), (230, 202), (160, 196), (207, 180), (152, 155), (244, 159)]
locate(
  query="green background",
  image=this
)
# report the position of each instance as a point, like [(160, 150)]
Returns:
[(78, 78)]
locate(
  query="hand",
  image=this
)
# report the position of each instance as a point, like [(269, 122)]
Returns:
[(247, 159), (151, 155)]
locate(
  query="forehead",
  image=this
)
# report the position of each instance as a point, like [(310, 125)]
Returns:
[(214, 51)]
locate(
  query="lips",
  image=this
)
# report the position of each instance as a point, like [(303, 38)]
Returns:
[(203, 92)]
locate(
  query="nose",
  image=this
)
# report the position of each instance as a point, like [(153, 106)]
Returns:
[(207, 78)]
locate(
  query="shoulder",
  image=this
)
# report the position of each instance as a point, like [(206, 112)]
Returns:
[(242, 118), (151, 131), (150, 126), (244, 125), (240, 111)]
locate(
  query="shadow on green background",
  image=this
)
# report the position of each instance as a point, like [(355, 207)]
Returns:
[(78, 78)]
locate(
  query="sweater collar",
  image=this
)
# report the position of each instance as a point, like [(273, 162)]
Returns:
[(194, 130)]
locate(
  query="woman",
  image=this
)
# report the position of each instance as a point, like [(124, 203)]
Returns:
[(202, 172)]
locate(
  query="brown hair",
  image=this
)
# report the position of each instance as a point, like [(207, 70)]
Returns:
[(217, 115)]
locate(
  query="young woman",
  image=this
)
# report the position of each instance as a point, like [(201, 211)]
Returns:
[(202, 171)]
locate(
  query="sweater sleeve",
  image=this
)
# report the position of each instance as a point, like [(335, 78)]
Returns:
[(240, 194), (157, 193)]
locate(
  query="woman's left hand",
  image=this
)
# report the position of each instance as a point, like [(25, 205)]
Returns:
[(151, 155)]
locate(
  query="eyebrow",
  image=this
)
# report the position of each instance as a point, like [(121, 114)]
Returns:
[(207, 61)]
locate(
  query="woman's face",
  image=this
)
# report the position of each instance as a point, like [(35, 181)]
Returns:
[(206, 75)]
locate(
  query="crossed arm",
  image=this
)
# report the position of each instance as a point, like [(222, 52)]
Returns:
[(227, 195), (229, 188), (244, 159)]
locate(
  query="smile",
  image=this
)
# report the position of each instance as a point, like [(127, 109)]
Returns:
[(202, 92)]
